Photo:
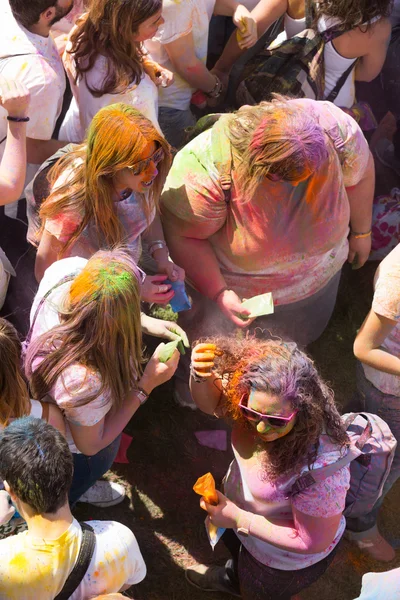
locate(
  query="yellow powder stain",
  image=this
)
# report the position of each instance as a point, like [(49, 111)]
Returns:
[(24, 65), (19, 562)]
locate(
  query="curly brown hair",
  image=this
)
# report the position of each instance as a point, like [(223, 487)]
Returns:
[(108, 29), (353, 13), (281, 369)]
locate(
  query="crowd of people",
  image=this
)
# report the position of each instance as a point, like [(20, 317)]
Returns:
[(128, 195)]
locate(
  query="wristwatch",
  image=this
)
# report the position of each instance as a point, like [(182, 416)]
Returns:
[(142, 395)]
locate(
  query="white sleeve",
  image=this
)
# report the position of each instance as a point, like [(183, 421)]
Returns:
[(178, 18), (45, 105)]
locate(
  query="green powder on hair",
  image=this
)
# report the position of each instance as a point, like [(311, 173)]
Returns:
[(114, 283)]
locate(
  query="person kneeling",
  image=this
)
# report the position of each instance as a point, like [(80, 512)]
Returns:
[(37, 467)]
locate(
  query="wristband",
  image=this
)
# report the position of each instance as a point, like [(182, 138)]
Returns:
[(221, 291), (18, 119), (196, 378), (217, 89), (157, 245), (142, 395), (359, 235)]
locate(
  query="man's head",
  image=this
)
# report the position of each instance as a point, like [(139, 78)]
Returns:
[(36, 465), (47, 12)]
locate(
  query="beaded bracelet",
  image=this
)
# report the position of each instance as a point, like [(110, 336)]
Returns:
[(217, 89), (18, 119), (359, 235)]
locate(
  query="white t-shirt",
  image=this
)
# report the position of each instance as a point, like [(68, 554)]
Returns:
[(40, 68), (181, 18), (376, 586), (386, 303), (32, 568), (84, 105), (77, 381)]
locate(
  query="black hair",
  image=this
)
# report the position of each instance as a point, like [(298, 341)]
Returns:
[(28, 13), (36, 463)]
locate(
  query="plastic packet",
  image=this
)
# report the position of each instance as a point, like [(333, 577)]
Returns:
[(205, 486), (259, 305), (165, 353), (180, 300)]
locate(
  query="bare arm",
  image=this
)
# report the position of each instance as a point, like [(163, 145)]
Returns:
[(56, 418), (370, 65), (90, 440), (265, 13), (47, 253), (185, 62), (15, 100), (207, 276), (40, 150), (361, 197), (207, 394), (373, 332), (303, 534)]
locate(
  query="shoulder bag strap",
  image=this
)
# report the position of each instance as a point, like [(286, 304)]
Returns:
[(42, 301), (82, 563), (222, 157), (309, 478)]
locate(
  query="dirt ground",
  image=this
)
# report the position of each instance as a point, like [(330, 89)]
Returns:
[(165, 460)]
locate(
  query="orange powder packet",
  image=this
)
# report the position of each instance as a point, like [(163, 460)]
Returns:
[(205, 486)]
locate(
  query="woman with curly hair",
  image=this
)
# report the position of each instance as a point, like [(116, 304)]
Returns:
[(363, 43), (105, 192), (106, 62), (285, 423)]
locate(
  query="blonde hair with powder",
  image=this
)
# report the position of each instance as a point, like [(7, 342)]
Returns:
[(99, 328)]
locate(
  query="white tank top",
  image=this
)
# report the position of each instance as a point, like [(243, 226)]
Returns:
[(335, 63)]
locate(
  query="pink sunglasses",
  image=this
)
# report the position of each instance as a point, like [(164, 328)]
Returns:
[(275, 421)]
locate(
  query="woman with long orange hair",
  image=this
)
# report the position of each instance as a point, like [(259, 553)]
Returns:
[(106, 192), (85, 355), (106, 62)]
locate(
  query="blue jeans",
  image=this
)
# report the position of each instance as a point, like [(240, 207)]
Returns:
[(388, 408), (173, 123), (88, 469)]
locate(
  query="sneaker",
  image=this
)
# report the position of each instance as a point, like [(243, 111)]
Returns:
[(371, 542), (209, 579), (104, 493), (384, 151)]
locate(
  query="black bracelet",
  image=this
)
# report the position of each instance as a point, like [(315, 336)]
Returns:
[(18, 119), (196, 378)]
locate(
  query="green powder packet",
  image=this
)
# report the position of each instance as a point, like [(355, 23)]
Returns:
[(168, 350), (165, 353), (259, 305)]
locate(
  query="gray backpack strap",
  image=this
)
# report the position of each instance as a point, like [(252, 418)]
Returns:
[(355, 451), (222, 156), (315, 476)]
